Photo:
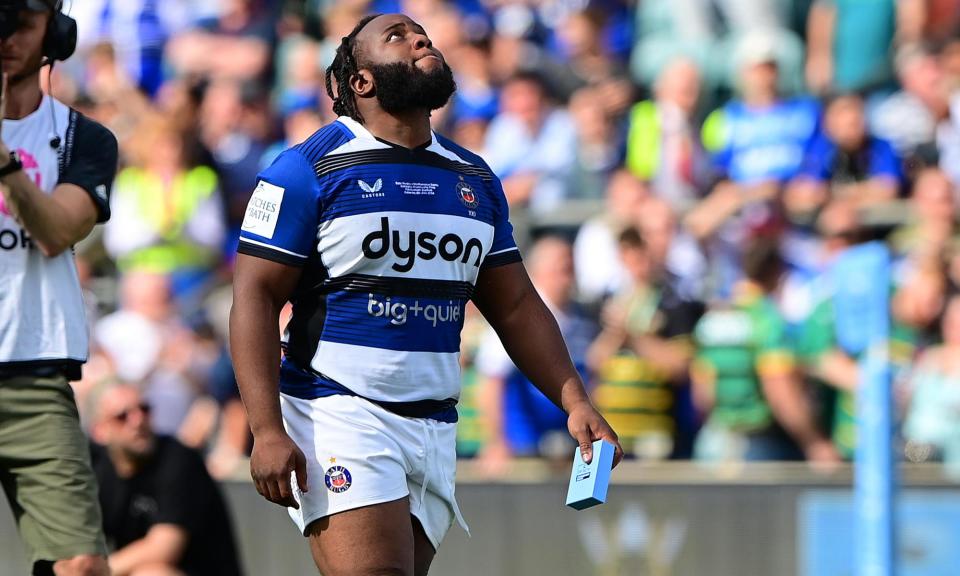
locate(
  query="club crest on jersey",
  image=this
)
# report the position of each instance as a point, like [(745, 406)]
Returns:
[(371, 189), (338, 479), (467, 195)]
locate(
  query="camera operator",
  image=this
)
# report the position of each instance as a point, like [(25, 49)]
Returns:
[(56, 168)]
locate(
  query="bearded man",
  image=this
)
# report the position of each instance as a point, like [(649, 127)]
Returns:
[(379, 231)]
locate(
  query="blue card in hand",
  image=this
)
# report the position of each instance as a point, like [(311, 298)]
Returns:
[(588, 482)]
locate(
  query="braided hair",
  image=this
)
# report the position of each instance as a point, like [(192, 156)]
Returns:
[(344, 66)]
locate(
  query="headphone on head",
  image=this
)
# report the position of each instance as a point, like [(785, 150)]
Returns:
[(60, 41)]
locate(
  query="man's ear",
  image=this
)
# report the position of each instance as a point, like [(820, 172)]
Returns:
[(362, 83)]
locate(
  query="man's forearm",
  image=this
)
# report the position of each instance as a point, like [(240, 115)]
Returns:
[(607, 344), (51, 226), (532, 338), (671, 356), (791, 408), (837, 369), (163, 545), (710, 214), (820, 25), (877, 190), (255, 347)]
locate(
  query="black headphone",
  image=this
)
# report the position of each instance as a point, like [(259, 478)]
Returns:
[(60, 41)]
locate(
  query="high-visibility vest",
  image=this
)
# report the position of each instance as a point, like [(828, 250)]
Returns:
[(643, 140), (167, 209)]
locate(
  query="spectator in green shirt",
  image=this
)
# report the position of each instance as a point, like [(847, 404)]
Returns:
[(744, 375), (914, 305), (641, 357)]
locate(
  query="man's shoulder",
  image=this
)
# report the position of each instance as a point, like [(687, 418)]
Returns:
[(86, 135), (83, 123), (879, 145), (324, 141), (171, 445), (297, 164), (98, 454), (173, 456), (462, 152), (899, 102)]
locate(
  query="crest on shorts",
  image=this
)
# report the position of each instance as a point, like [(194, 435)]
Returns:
[(467, 195), (338, 479)]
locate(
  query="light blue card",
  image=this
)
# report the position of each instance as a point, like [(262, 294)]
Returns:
[(589, 482)]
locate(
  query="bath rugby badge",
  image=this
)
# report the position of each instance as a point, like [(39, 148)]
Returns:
[(338, 479), (467, 195)]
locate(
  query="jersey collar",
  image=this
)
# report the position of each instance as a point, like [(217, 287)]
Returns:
[(360, 132)]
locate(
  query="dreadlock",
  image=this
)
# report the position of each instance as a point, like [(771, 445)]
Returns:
[(344, 66)]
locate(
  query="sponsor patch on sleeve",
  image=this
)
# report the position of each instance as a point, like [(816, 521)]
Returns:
[(263, 210)]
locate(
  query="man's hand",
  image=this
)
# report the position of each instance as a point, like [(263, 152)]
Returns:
[(587, 425), (274, 457), (529, 332), (822, 455), (495, 458)]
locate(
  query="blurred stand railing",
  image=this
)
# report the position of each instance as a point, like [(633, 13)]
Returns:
[(573, 213), (661, 519)]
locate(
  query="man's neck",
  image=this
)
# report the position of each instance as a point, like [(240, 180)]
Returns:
[(760, 99), (409, 130), (23, 98), (125, 466), (749, 290)]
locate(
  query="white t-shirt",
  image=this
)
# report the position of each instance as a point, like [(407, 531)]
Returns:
[(42, 316)]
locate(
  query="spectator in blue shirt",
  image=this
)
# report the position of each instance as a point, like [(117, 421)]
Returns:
[(756, 144), (846, 162)]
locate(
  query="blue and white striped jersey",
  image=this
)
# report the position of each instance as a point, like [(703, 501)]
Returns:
[(391, 241)]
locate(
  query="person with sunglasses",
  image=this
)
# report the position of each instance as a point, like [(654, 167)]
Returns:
[(162, 512)]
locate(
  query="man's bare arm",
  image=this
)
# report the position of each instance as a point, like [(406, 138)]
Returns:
[(163, 544), (792, 410), (820, 27), (54, 221), (530, 334), (260, 290)]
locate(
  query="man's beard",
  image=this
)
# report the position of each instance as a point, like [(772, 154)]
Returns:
[(403, 87)]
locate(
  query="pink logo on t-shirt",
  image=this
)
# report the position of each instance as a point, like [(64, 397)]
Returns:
[(32, 169)]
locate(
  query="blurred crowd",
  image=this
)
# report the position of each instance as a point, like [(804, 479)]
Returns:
[(682, 176)]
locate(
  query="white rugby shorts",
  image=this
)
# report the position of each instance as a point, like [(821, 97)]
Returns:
[(359, 454)]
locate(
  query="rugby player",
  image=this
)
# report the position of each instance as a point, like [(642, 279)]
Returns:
[(379, 231)]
